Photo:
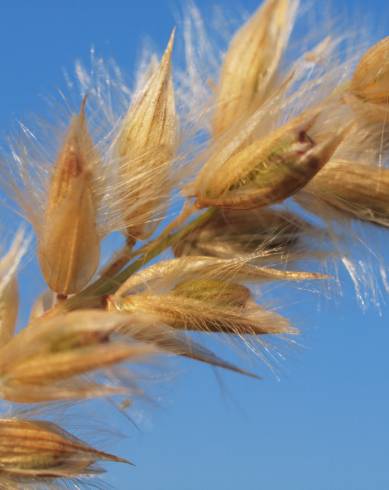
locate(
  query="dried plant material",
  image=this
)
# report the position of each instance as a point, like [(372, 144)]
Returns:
[(183, 313), (361, 191), (370, 81), (251, 62), (214, 291), (274, 120), (38, 451), (68, 242), (167, 274), (266, 171), (146, 146), (270, 234), (148, 328), (9, 295), (47, 360), (203, 294), (43, 303)]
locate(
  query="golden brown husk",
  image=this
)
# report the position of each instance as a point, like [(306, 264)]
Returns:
[(34, 450), (370, 80), (228, 233), (47, 360), (251, 62), (146, 146), (267, 170), (148, 328), (359, 190), (68, 239)]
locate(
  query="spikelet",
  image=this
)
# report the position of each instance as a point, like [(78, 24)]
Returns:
[(146, 146), (370, 80), (361, 191), (9, 296), (266, 171), (148, 328), (187, 313), (270, 234), (251, 63), (174, 271), (46, 361), (204, 294), (37, 452), (68, 241)]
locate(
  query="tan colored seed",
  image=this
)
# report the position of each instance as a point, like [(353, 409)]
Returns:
[(68, 245), (214, 291), (146, 146)]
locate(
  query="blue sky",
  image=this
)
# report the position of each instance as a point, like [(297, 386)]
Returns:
[(324, 424)]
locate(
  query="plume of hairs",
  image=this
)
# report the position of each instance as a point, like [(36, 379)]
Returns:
[(275, 154)]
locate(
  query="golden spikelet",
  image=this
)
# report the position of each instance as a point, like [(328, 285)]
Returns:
[(361, 191), (37, 451), (251, 62), (204, 294), (266, 171), (148, 328), (146, 145), (166, 274), (47, 360), (68, 241), (187, 313), (370, 80), (268, 233)]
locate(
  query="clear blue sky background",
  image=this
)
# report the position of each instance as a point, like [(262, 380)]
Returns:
[(324, 425)]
